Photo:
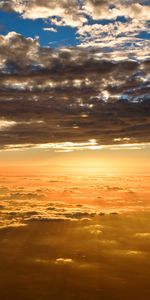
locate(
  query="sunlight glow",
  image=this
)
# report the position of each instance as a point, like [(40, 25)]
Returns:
[(70, 146)]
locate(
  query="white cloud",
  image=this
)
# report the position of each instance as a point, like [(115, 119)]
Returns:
[(115, 36), (67, 10), (72, 12), (103, 10), (63, 261), (50, 29)]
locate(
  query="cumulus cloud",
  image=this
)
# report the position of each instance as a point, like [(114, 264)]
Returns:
[(23, 207), (80, 95), (19, 51), (115, 35), (76, 13), (72, 12), (27, 212), (105, 10), (26, 204), (68, 11)]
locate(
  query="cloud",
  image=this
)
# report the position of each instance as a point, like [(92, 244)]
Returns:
[(72, 12), (94, 229), (104, 10), (64, 261), (109, 243), (50, 29), (29, 205), (112, 188), (132, 252), (67, 10), (71, 95), (115, 35), (76, 13), (25, 207), (143, 234), (3, 190)]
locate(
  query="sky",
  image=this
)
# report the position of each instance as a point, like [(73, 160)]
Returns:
[(74, 85), (74, 149)]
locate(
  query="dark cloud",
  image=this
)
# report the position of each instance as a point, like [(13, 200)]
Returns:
[(73, 94)]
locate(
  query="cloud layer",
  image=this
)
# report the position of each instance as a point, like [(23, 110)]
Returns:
[(71, 94), (98, 91), (74, 12), (70, 198)]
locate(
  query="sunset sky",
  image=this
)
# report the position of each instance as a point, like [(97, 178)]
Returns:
[(74, 149), (74, 85)]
